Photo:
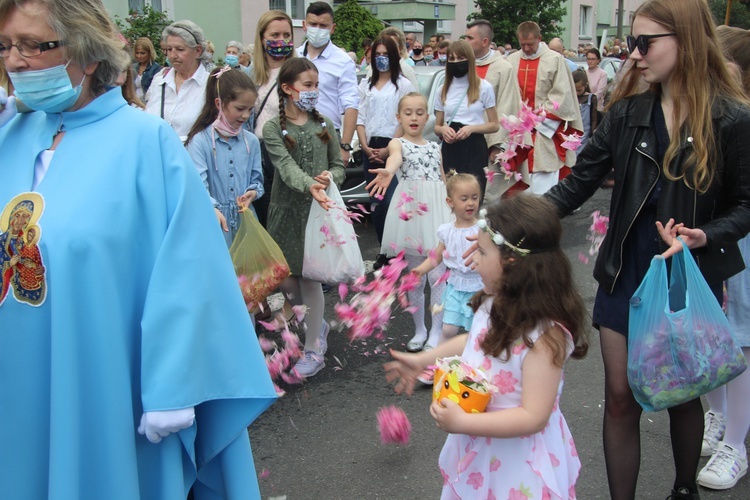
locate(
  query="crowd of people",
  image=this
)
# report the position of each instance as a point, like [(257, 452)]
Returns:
[(105, 329)]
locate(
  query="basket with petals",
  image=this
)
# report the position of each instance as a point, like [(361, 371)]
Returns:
[(463, 384)]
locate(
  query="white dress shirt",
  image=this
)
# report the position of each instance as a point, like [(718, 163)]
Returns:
[(467, 114), (378, 107), (337, 86), (180, 109)]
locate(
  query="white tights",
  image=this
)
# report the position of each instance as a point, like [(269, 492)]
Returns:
[(416, 300), (299, 291), (732, 401)]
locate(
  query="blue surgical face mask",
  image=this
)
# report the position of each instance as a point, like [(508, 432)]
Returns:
[(232, 60), (382, 63), (429, 57), (49, 90), (442, 57)]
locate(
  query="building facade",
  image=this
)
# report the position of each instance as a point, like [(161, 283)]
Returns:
[(594, 21), (586, 21)]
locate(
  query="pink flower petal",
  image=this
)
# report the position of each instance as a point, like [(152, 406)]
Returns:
[(394, 425)]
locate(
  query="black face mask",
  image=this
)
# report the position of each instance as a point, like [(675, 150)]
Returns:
[(457, 69), (417, 52)]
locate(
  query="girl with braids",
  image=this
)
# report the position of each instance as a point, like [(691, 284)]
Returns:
[(529, 320), (682, 167), (306, 159), (226, 154)]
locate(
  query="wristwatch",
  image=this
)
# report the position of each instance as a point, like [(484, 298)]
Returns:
[(345, 146)]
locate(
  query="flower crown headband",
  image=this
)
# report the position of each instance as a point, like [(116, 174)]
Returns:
[(497, 238)]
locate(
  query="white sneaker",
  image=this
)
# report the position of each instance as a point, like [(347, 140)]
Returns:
[(309, 364), (724, 469), (713, 432)]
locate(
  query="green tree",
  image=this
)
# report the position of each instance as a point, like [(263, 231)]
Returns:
[(506, 15), (740, 16), (354, 23), (149, 23)]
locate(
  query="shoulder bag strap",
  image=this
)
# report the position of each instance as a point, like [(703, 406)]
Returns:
[(263, 104), (163, 84), (453, 115)]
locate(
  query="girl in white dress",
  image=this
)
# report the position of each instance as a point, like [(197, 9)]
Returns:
[(463, 282), (528, 320), (417, 208)]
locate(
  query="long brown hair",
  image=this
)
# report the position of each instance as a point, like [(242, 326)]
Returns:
[(128, 90), (700, 78), (461, 48), (535, 289), (260, 65), (227, 87), (736, 45), (290, 70)]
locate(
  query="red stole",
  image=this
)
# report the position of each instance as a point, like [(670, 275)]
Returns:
[(482, 71), (527, 74)]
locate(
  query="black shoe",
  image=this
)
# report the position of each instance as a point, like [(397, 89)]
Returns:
[(684, 493), (326, 287), (380, 261)]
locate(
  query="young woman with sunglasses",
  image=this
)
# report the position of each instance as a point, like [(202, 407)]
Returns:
[(681, 157)]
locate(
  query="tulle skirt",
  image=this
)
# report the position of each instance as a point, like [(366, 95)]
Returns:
[(417, 209)]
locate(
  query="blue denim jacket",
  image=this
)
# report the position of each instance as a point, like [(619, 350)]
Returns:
[(232, 170), (147, 75)]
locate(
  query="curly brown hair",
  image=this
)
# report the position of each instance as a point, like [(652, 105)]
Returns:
[(537, 289)]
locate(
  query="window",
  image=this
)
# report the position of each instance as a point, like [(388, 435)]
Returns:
[(295, 8), (138, 5), (585, 19), (444, 26)]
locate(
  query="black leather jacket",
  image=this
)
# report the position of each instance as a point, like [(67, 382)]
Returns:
[(627, 141)]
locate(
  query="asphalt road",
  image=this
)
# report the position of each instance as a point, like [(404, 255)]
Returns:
[(320, 441)]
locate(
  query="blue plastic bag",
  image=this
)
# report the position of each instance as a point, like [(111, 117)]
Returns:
[(680, 345)]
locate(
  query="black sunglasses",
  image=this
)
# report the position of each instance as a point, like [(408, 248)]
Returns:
[(642, 42)]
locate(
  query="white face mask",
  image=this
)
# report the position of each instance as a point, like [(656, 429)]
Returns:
[(318, 37)]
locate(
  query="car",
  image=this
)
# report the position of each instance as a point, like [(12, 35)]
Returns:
[(611, 65), (430, 79)]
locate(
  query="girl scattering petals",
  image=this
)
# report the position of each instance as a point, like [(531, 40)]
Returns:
[(412, 222), (515, 352)]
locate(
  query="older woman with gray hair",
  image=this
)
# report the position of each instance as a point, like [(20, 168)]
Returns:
[(122, 322), (177, 93), (232, 56)]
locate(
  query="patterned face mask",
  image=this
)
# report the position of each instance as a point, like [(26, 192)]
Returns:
[(279, 49), (308, 99), (382, 63)]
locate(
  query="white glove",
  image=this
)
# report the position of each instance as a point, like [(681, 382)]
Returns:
[(160, 424), (9, 107)]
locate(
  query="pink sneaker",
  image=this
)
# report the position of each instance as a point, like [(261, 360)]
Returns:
[(427, 376)]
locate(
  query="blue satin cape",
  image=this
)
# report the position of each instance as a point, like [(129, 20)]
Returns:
[(143, 312)]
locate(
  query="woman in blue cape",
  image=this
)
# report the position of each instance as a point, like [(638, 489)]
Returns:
[(128, 364)]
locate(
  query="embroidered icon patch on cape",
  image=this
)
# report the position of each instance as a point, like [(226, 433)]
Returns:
[(23, 272)]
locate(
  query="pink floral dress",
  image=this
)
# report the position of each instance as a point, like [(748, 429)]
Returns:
[(542, 466)]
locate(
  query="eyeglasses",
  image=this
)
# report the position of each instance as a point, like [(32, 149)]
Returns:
[(29, 48), (642, 42), (592, 59)]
